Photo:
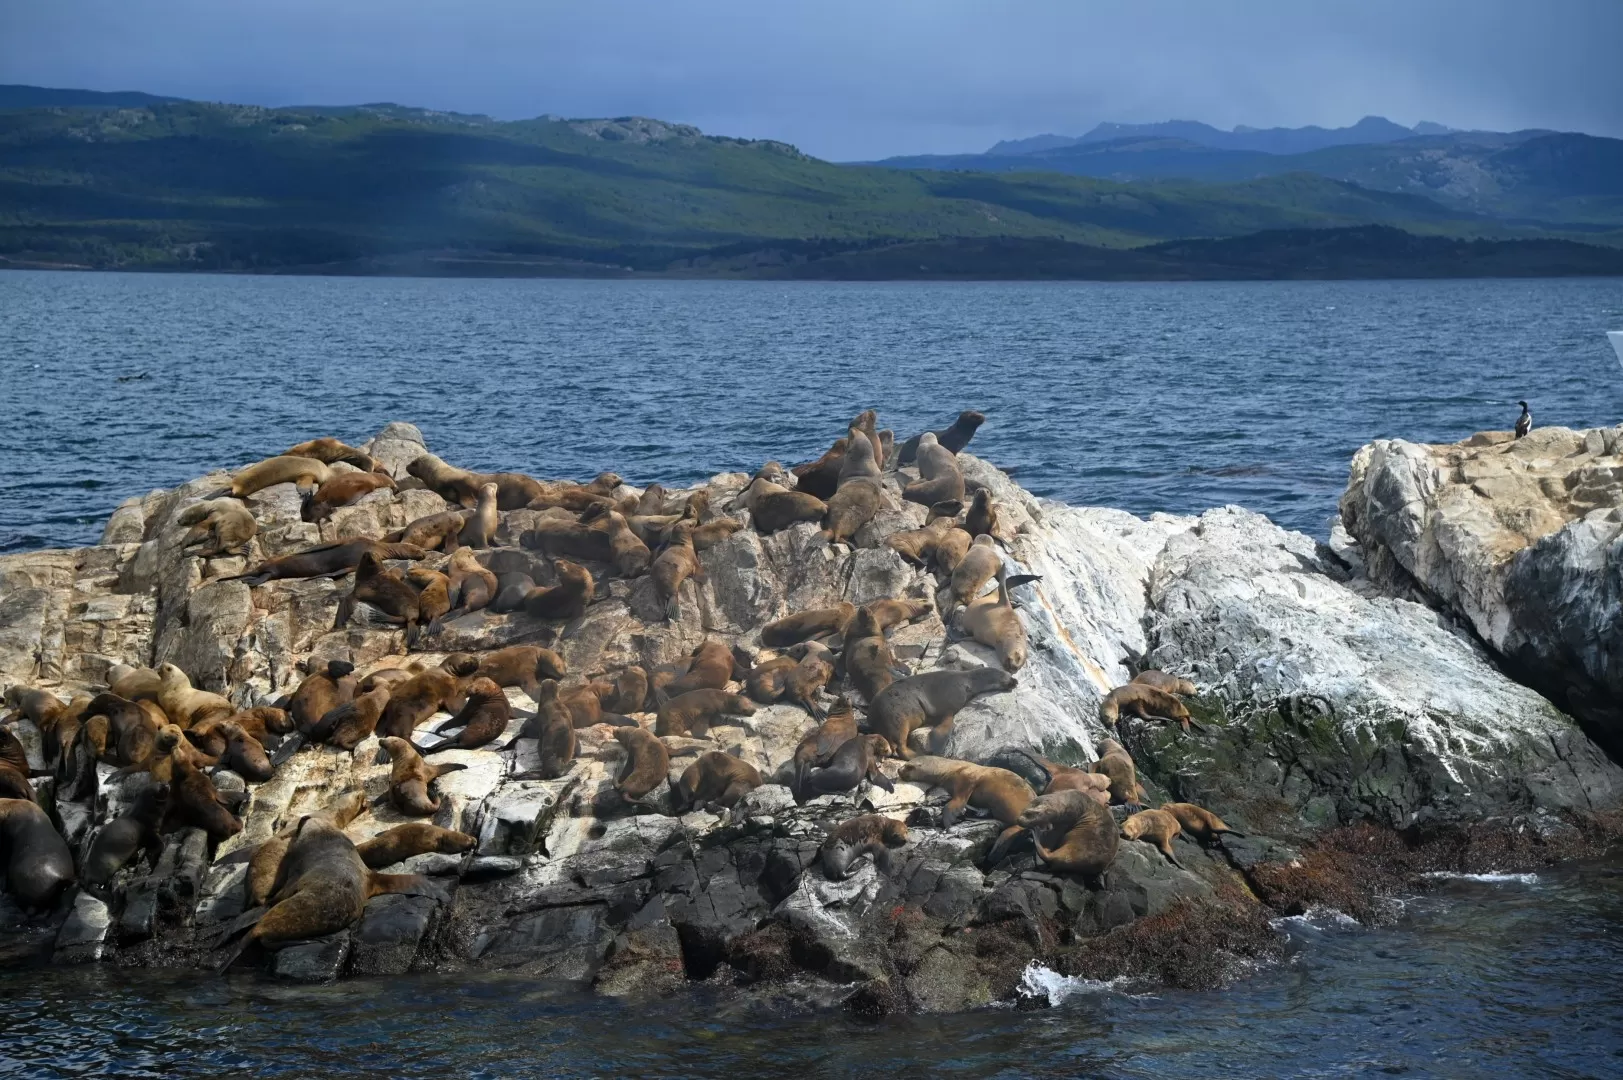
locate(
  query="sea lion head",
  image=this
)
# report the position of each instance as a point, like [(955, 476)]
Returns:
[(969, 420)]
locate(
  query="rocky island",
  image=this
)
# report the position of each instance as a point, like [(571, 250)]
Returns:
[(1435, 689)]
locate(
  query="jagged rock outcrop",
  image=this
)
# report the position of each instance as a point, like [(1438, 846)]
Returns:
[(1521, 539), (1320, 704)]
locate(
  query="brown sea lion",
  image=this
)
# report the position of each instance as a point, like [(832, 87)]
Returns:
[(523, 666), (577, 497), (346, 726), (1170, 684), (553, 727), (676, 564), (184, 705), (861, 460), (120, 731), (325, 560), (324, 689), (233, 745), (889, 614), (630, 691), (458, 487), (585, 704), (954, 438), (856, 760), (132, 831), (939, 477), (1116, 763), (978, 566), (39, 866), (565, 600), (472, 585), (265, 866), (384, 589), (14, 768), (651, 501), (480, 529), (821, 478), (951, 549), (627, 552), (870, 834), (511, 589), (305, 472), (850, 508), (711, 667), (805, 625), (389, 676), (1158, 827), (765, 682), (433, 595), (773, 507), (225, 525), (1198, 821), (414, 838), (918, 546), (195, 801), (480, 721), (999, 792), (867, 422), (1070, 778), (809, 676), (169, 746), (693, 713), (344, 489), (931, 699), (331, 451), (647, 764), (993, 621), (434, 531), (711, 533), (416, 699), (1074, 834), (411, 778), (1144, 701), (818, 747), (715, 780), (134, 683), (870, 665), (982, 517)]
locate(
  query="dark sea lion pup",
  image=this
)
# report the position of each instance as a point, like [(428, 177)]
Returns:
[(119, 840), (931, 700), (870, 834), (954, 438), (38, 864)]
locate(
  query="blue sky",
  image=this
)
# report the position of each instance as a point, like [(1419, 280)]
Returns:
[(847, 80)]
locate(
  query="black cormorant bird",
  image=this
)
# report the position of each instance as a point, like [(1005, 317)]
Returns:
[(1524, 422)]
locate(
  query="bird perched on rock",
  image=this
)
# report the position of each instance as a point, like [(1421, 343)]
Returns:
[(1524, 422)]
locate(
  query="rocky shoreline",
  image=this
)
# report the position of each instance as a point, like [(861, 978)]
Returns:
[(1368, 710)]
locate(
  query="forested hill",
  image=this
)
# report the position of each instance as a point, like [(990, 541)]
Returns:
[(385, 188)]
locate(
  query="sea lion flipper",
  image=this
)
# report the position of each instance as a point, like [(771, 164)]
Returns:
[(287, 749), (450, 766), (407, 885), (1022, 579)]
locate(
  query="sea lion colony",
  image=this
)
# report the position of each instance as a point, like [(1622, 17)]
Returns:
[(170, 739)]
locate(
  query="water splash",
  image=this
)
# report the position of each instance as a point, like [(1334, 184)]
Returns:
[(1039, 982), (1492, 879)]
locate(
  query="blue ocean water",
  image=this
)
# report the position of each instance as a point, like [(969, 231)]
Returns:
[(1161, 396)]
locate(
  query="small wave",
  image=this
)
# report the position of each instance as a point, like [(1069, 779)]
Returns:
[(1038, 981), (1319, 918), (1493, 879)]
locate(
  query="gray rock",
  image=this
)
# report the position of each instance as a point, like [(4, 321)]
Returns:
[(386, 940), (318, 961), (83, 933)]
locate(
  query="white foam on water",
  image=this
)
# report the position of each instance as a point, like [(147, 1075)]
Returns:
[(1493, 879), (1038, 981), (1319, 918)]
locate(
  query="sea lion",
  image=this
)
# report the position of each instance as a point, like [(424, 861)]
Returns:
[(651, 501), (410, 778), (434, 531), (993, 621), (850, 508), (120, 731), (1117, 764), (511, 589), (1144, 701), (711, 533), (1170, 684), (225, 524), (414, 700), (818, 747), (1070, 778), (195, 801), (773, 507), (867, 422), (265, 865), (999, 792), (523, 666), (930, 699), (821, 478), (481, 720), (889, 614), (978, 566), (951, 549), (630, 691), (856, 760), (765, 682), (169, 746), (226, 740), (414, 838), (692, 713), (954, 438), (480, 529), (433, 595), (810, 675), (134, 683), (870, 665), (647, 764), (330, 451), (343, 489), (1074, 834), (711, 667), (322, 887), (676, 564), (565, 600), (571, 496), (918, 546), (132, 831), (184, 705), (1198, 821), (39, 865), (321, 691), (456, 486), (302, 471), (388, 676), (472, 586), (805, 625), (870, 834), (553, 727), (627, 552), (346, 726), (715, 780), (384, 589), (14, 768), (861, 460), (325, 560), (982, 516), (1158, 827), (585, 704), (939, 477)]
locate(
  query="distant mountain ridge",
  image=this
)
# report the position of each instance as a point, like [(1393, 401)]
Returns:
[(17, 96), (1277, 140)]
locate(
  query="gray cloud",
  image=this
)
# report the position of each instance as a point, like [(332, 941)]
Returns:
[(849, 80)]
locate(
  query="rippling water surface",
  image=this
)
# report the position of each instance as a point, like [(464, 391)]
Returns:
[(1144, 396), (1513, 976)]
